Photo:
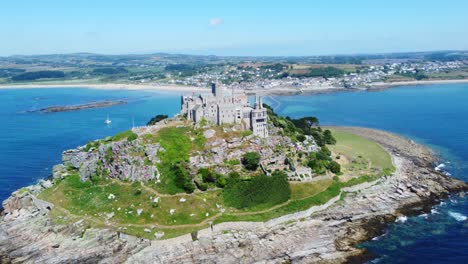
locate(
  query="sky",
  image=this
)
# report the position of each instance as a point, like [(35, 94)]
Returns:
[(234, 28)]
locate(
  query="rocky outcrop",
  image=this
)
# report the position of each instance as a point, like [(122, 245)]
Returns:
[(67, 108), (125, 160), (327, 235)]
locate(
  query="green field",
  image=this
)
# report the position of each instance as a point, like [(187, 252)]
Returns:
[(361, 153)]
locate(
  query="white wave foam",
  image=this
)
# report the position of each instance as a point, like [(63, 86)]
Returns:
[(440, 167), (423, 215), (457, 216), (448, 174), (434, 211), (401, 219)]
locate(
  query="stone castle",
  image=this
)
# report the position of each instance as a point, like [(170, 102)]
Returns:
[(219, 109)]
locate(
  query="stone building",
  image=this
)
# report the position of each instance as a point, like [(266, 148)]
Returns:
[(217, 108)]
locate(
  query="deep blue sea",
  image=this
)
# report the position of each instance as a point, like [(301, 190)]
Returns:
[(437, 116)]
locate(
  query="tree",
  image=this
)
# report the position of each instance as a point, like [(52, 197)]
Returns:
[(156, 119), (334, 167), (31, 76), (328, 137), (251, 160), (234, 175), (182, 177), (300, 138), (220, 181), (206, 175)]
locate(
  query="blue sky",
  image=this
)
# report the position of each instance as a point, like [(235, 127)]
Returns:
[(236, 27)]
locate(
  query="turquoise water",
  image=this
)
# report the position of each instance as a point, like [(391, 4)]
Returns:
[(433, 115), (31, 143)]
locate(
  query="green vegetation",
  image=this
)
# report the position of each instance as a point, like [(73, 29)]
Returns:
[(261, 190), (129, 135), (31, 76), (91, 199), (156, 119), (359, 180), (251, 160), (182, 178), (177, 147), (117, 70), (334, 167), (92, 145), (357, 148), (301, 190), (418, 75), (321, 160), (325, 72)]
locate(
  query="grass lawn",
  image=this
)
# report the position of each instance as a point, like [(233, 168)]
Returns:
[(301, 190), (92, 200), (357, 148)]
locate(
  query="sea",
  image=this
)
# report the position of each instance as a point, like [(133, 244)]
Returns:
[(434, 115)]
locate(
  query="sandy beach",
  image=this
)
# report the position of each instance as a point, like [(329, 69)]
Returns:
[(381, 85), (108, 86)]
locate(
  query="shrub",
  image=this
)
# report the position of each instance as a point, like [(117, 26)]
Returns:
[(234, 175), (132, 137), (109, 154), (334, 167), (221, 181), (182, 178), (251, 160), (201, 185), (300, 138), (156, 119), (206, 175), (328, 137), (246, 133)]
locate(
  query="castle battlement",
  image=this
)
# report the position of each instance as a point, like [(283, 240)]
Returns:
[(218, 108)]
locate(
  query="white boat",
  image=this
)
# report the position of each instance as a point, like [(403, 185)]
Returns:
[(108, 121)]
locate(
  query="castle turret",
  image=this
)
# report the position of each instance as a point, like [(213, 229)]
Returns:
[(257, 103), (216, 90)]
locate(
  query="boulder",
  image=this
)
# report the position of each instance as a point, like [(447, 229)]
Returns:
[(209, 133)]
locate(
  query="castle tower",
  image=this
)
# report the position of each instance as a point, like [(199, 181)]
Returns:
[(257, 103), (216, 90), (258, 119)]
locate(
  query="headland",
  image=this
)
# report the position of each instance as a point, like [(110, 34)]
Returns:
[(114, 200)]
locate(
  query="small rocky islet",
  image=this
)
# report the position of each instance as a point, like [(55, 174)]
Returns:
[(78, 107), (163, 193)]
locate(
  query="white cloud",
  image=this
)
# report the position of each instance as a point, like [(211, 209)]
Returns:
[(215, 21)]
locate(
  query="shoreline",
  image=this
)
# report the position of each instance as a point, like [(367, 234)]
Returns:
[(322, 236), (267, 92)]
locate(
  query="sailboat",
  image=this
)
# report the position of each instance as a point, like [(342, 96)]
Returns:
[(108, 121)]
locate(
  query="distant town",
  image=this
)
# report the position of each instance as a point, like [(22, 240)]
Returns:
[(257, 73)]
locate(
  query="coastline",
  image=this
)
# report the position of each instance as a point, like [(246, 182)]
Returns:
[(108, 86), (268, 92), (323, 236)]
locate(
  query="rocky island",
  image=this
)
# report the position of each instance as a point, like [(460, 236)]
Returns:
[(201, 190), (66, 108)]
